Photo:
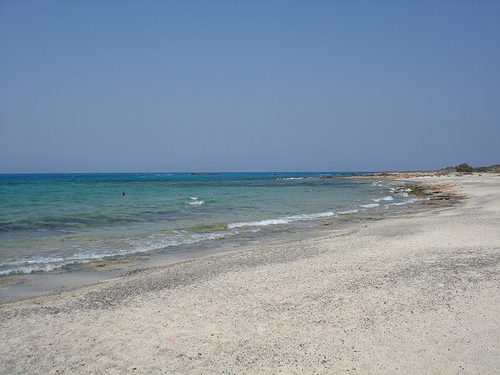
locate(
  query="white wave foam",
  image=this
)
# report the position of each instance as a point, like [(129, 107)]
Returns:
[(401, 191), (284, 220), (408, 201), (37, 264), (388, 198), (370, 205), (195, 201), (135, 246), (348, 212), (26, 269)]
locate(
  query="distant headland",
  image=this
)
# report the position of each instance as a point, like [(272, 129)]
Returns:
[(461, 169)]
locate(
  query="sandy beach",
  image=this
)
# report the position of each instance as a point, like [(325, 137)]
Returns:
[(416, 293)]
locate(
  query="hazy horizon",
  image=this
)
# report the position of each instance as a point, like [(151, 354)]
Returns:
[(201, 172)]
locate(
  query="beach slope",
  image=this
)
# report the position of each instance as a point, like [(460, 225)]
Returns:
[(410, 294)]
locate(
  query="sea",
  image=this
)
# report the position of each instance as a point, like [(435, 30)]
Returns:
[(64, 222)]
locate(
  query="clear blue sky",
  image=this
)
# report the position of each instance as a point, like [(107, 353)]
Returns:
[(139, 86)]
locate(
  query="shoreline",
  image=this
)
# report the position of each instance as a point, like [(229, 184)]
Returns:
[(414, 293), (26, 286)]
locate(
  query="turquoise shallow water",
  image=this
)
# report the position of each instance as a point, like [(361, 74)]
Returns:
[(62, 221)]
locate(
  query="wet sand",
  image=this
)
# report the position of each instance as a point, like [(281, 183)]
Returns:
[(415, 293)]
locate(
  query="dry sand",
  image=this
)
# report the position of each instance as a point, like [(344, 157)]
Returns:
[(411, 294)]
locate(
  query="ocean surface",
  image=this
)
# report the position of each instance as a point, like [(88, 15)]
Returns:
[(64, 221)]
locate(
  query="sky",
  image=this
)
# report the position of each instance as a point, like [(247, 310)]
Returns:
[(228, 86)]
